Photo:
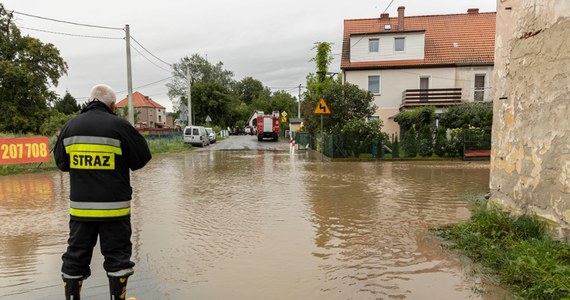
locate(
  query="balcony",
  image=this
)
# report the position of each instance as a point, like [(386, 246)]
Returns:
[(433, 97)]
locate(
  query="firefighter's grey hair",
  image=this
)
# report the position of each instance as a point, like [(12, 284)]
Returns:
[(103, 93)]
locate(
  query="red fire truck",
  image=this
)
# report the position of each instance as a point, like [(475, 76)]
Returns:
[(268, 127)]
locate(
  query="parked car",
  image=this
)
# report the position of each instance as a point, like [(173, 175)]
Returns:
[(211, 134), (196, 136)]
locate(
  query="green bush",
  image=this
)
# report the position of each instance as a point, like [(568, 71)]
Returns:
[(410, 143), (417, 118), (477, 114), (514, 249), (440, 142), (425, 144), (454, 145), (395, 148), (358, 135)]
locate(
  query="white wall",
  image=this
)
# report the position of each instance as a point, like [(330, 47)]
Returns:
[(394, 82), (466, 81), (413, 49)]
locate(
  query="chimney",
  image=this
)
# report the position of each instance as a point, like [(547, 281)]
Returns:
[(473, 11), (385, 16), (401, 18)]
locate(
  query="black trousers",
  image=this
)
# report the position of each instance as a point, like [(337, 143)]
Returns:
[(114, 239)]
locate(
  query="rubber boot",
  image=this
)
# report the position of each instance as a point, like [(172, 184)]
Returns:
[(72, 288), (118, 284)]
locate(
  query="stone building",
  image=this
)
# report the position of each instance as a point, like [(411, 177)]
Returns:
[(530, 159)]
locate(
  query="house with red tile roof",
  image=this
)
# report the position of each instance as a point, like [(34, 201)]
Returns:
[(148, 113), (438, 60)]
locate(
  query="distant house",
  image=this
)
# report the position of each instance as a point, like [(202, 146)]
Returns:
[(148, 113), (295, 124), (253, 118), (438, 60)]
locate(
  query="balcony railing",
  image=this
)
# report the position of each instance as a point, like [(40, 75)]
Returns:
[(434, 97)]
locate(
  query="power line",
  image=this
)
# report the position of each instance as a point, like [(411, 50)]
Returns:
[(137, 87), (137, 50), (388, 6), (148, 84), (170, 65), (66, 22), (90, 36), (71, 34)]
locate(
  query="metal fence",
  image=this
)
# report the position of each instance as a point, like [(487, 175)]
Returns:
[(334, 146)]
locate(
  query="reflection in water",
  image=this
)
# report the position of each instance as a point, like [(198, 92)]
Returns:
[(32, 219), (257, 225), (372, 225)]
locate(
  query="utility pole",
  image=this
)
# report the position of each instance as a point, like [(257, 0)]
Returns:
[(299, 103), (129, 76), (189, 95)]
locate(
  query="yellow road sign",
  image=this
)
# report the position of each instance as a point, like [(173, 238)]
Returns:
[(284, 114), (322, 108), (283, 119)]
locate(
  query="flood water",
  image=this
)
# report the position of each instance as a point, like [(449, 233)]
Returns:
[(257, 225)]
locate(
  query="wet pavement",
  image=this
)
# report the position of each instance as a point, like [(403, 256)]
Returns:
[(258, 223)]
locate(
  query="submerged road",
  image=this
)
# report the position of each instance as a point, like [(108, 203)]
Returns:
[(243, 219)]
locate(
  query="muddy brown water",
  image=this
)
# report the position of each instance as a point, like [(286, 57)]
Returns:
[(258, 225)]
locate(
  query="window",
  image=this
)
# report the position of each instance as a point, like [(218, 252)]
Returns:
[(479, 87), (424, 86), (399, 43), (374, 84), (373, 118), (373, 45)]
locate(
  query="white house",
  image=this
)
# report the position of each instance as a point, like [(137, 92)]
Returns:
[(438, 60)]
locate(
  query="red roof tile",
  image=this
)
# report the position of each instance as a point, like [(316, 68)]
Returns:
[(140, 100), (474, 34)]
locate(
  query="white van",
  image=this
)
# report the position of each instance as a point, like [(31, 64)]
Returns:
[(196, 136)]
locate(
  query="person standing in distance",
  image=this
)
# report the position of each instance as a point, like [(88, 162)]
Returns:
[(98, 148)]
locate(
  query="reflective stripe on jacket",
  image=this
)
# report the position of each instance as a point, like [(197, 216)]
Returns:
[(100, 209)]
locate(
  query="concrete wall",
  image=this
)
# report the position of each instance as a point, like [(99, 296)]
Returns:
[(530, 159)]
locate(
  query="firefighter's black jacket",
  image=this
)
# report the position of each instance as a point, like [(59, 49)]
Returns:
[(97, 175)]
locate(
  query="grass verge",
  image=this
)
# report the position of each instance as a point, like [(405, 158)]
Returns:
[(516, 251)]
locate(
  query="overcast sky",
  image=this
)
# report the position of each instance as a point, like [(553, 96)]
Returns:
[(269, 40)]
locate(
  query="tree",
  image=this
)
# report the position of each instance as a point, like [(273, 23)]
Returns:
[(278, 101), (200, 71), (283, 101), (317, 83), (27, 69), (210, 98), (346, 101), (67, 105), (250, 89)]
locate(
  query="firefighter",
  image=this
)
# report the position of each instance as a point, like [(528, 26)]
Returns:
[(98, 148)]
